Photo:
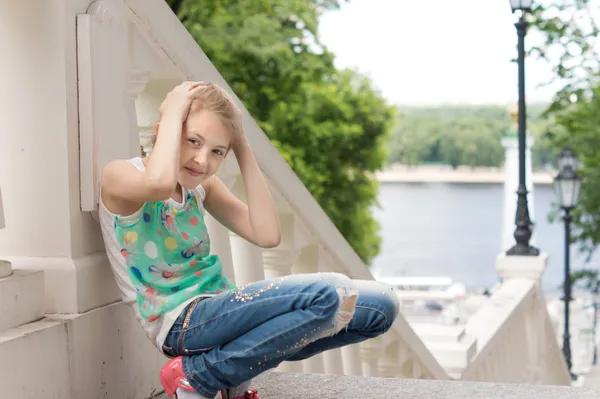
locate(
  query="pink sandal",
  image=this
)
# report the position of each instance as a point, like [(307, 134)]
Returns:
[(172, 377)]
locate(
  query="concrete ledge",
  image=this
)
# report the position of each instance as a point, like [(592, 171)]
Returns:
[(73, 285), (21, 298), (315, 386), (97, 355), (272, 385)]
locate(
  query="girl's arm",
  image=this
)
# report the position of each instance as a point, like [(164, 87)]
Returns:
[(124, 187), (257, 222)]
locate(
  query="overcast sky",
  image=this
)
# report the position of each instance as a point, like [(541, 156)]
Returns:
[(434, 51)]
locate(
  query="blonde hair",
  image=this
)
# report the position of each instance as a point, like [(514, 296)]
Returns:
[(211, 98)]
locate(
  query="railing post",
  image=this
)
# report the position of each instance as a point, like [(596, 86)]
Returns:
[(247, 260), (137, 81), (247, 257), (220, 245), (278, 262), (388, 365), (351, 360), (370, 353), (531, 268), (308, 262)]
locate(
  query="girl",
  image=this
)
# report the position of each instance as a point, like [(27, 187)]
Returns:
[(217, 336)]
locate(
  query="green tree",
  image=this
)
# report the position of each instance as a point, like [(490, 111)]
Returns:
[(570, 31), (331, 126)]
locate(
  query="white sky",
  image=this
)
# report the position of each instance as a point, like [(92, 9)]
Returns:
[(434, 51)]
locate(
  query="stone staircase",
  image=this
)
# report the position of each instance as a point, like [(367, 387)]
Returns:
[(320, 386)]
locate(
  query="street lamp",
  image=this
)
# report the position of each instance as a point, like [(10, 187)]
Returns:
[(523, 223), (521, 5), (567, 185)]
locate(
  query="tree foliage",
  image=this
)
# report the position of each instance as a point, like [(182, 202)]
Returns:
[(570, 31), (329, 125), (462, 136)]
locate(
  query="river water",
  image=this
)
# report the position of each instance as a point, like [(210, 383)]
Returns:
[(454, 230)]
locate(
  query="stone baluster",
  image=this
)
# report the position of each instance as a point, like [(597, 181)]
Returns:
[(351, 360), (333, 362), (308, 262), (247, 257), (247, 260), (220, 245), (5, 266), (370, 352), (137, 81), (388, 365), (280, 260)]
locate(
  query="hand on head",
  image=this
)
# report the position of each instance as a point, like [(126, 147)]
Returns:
[(179, 100)]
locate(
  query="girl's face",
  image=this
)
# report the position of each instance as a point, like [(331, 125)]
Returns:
[(205, 141)]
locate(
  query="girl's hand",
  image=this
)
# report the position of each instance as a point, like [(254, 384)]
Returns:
[(177, 103)]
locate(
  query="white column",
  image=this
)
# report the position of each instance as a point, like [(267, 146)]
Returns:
[(511, 183), (333, 362), (137, 81), (247, 257), (5, 267), (314, 365), (388, 365), (370, 352), (220, 245), (247, 260), (40, 138), (308, 262), (351, 360), (279, 261)]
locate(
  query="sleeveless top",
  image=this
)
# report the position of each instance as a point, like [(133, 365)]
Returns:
[(160, 256)]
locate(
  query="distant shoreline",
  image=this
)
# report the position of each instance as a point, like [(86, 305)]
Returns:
[(445, 174)]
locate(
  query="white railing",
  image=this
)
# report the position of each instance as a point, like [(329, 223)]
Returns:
[(515, 338)]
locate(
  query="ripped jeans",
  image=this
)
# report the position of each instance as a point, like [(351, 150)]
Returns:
[(232, 337)]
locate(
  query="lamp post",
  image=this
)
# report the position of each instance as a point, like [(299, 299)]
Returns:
[(567, 185), (523, 223)]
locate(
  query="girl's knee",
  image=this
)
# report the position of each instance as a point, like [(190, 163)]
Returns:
[(389, 299), (342, 294), (382, 297)]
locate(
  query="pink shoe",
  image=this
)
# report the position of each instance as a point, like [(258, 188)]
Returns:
[(250, 394), (172, 377)]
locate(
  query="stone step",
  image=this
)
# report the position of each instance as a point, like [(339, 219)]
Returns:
[(319, 386), (100, 354), (21, 298)]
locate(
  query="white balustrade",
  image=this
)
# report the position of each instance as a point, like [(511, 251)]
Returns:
[(512, 329)]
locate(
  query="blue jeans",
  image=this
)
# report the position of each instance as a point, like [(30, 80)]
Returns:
[(230, 338)]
